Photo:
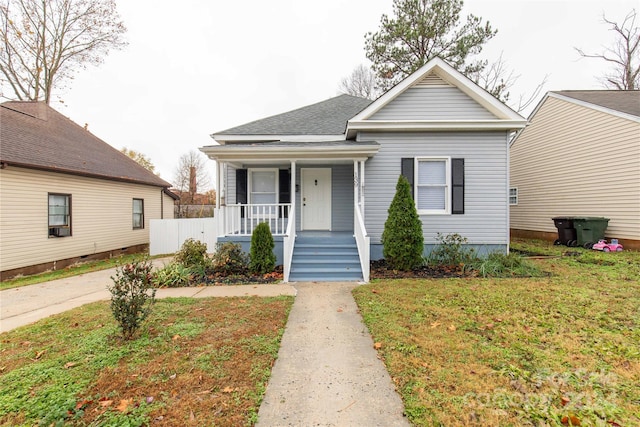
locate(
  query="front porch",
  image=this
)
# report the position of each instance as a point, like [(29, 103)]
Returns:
[(313, 201)]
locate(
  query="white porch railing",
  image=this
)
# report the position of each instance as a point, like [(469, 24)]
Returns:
[(363, 242), (240, 220), (288, 242)]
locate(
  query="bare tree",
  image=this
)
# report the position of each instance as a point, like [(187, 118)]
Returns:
[(43, 43), (624, 55), (190, 175), (498, 79), (142, 160), (361, 82)]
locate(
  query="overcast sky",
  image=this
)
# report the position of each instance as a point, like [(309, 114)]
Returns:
[(195, 67)]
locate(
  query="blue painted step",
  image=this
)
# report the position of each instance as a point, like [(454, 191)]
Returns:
[(325, 259)]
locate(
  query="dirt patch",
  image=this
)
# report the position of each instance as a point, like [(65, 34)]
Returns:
[(211, 378)]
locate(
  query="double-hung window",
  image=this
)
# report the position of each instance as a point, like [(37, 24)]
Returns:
[(138, 213), (513, 196), (433, 185), (263, 192), (59, 215)]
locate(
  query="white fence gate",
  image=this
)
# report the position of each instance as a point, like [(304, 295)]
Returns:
[(167, 235)]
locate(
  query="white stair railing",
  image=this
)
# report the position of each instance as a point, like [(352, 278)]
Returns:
[(363, 243), (288, 242)]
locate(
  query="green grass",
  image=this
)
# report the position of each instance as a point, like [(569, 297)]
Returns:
[(515, 351), (72, 270), (191, 353)]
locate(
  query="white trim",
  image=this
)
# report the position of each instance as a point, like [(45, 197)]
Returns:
[(515, 195), (417, 125), (223, 139), (250, 172), (447, 185), (233, 153)]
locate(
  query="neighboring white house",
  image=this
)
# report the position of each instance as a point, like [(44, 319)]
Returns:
[(66, 195), (579, 156), (324, 175)]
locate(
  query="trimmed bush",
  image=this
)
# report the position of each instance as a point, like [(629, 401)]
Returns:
[(193, 253), (262, 258), (402, 239), (132, 295), (451, 250), (229, 259)]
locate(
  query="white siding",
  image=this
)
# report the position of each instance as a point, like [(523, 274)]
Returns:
[(575, 161), (101, 216), (433, 103), (485, 153)]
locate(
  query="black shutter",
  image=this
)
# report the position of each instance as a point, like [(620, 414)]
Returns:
[(284, 190), (407, 170), (457, 186), (241, 188)]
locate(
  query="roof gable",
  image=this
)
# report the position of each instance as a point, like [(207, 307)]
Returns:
[(35, 135), (611, 101), (323, 118), (439, 77)]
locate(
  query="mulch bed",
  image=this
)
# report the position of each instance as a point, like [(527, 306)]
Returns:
[(380, 270), (218, 279)]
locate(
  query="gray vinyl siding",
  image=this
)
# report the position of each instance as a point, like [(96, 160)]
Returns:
[(486, 195), (433, 103), (342, 198), (341, 193)]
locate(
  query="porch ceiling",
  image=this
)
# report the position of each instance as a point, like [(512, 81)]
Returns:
[(283, 151)]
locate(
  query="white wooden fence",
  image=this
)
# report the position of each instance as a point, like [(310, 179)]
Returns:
[(167, 235)]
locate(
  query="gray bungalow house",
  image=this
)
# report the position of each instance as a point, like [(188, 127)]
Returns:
[(323, 176)]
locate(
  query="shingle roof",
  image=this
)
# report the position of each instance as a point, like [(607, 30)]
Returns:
[(323, 118), (625, 101), (34, 135)]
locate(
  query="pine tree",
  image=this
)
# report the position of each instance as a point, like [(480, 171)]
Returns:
[(262, 258), (402, 239)]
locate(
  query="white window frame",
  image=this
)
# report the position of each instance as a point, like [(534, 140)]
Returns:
[(250, 172), (446, 185), (133, 205), (63, 229), (513, 198)]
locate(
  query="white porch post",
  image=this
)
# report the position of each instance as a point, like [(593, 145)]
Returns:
[(362, 188), (292, 190), (218, 180)]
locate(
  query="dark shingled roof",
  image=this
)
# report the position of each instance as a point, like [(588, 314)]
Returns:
[(34, 135), (324, 118), (625, 101)]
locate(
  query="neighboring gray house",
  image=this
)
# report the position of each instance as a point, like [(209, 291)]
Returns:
[(323, 176)]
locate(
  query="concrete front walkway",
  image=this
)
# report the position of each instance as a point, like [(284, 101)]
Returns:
[(327, 372)]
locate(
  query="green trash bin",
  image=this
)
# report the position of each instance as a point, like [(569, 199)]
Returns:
[(589, 230)]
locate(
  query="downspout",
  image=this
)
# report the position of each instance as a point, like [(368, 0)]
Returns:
[(508, 221), (162, 203)]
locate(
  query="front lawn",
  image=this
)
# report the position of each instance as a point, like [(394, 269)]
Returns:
[(195, 362), (559, 350)]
